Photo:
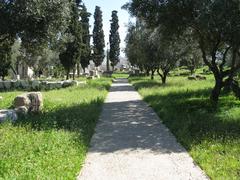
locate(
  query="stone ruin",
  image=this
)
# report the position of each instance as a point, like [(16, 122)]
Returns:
[(23, 104), (30, 102), (36, 85), (7, 114), (93, 74)]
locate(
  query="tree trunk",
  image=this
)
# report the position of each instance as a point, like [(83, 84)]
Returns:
[(164, 78), (152, 74), (108, 64), (17, 67), (147, 72), (67, 78), (217, 89), (78, 69), (228, 84), (74, 71), (14, 71), (192, 71)]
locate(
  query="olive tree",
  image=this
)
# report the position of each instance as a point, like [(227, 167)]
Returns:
[(215, 25)]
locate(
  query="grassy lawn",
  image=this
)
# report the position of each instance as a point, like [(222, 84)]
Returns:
[(53, 144), (120, 75), (211, 135)]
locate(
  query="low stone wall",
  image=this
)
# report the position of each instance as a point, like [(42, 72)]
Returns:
[(36, 85)]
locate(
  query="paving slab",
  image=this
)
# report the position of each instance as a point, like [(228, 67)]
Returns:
[(131, 143)]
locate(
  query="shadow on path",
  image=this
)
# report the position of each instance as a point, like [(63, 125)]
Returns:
[(131, 143), (127, 123)]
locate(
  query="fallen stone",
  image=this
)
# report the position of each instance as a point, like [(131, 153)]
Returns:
[(22, 100), (31, 102), (21, 110), (8, 115), (36, 101)]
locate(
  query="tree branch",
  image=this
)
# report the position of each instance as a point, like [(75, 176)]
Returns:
[(224, 58)]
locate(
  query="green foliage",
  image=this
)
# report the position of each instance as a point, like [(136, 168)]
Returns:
[(68, 58), (35, 23), (86, 51), (215, 29), (41, 20), (16, 52), (72, 50), (210, 135), (52, 144), (120, 75), (114, 40), (8, 26), (135, 50), (151, 50), (5, 58), (98, 38)]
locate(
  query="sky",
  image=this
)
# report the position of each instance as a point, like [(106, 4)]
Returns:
[(107, 6)]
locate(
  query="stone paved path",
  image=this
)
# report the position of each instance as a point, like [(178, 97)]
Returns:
[(130, 143)]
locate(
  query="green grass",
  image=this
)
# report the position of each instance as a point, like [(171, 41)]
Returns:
[(120, 75), (211, 135), (52, 144)]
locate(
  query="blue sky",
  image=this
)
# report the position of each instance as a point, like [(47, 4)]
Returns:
[(107, 6)]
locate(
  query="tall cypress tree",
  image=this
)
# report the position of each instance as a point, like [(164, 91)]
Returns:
[(98, 38), (86, 51), (72, 54), (114, 40)]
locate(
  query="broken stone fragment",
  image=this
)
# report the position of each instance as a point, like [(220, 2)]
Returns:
[(32, 101), (7, 114), (22, 100), (21, 110), (36, 100)]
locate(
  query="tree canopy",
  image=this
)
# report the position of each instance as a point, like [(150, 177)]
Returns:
[(98, 38), (86, 52), (114, 40), (214, 24)]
